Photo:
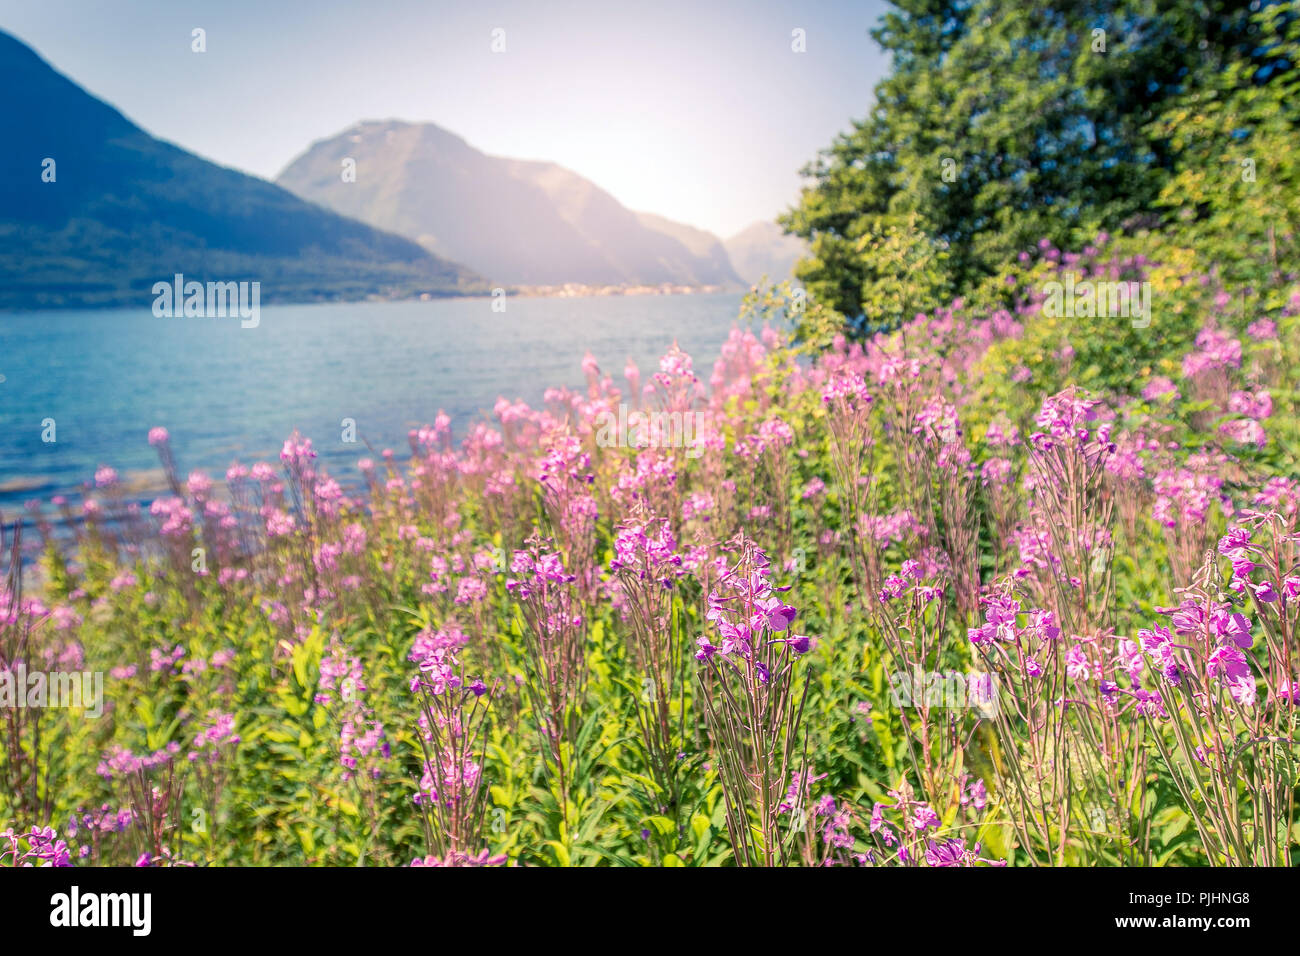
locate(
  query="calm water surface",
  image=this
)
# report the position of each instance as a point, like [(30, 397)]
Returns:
[(224, 392)]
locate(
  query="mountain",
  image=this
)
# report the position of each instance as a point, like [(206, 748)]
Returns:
[(704, 246), (125, 210), (763, 249), (517, 222)]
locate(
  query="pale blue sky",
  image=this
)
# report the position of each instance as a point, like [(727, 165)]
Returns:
[(699, 111)]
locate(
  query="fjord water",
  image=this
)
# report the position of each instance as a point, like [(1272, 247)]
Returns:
[(225, 392)]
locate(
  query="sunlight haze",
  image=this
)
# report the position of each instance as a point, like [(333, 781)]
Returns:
[(700, 114)]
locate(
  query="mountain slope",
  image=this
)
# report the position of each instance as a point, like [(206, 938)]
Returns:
[(514, 221), (763, 249), (126, 210), (704, 246)]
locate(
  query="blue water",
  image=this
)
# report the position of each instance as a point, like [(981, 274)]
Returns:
[(226, 393)]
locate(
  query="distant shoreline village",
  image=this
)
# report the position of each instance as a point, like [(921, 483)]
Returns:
[(575, 290)]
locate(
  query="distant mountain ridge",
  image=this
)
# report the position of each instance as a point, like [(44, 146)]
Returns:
[(762, 249), (517, 222), (125, 210)]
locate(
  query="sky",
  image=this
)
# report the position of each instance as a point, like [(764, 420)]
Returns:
[(698, 111)]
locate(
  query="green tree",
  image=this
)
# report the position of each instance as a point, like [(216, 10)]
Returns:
[(1001, 124), (1235, 191)]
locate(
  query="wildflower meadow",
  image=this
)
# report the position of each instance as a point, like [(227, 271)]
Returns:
[(977, 544), (875, 614)]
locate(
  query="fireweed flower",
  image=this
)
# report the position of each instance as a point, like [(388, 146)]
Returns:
[(753, 702), (953, 852), (799, 792), (1215, 350), (1077, 666), (452, 724), (923, 816), (470, 591), (1001, 433), (1262, 330), (946, 853), (1000, 622), (342, 687), (835, 829), (1160, 387), (39, 846), (1129, 658)]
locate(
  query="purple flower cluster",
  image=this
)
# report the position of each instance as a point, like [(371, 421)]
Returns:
[(744, 608), (39, 846)]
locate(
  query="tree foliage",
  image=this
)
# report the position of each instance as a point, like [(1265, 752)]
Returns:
[(1003, 124)]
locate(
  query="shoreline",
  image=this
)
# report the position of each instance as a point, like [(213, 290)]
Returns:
[(566, 291)]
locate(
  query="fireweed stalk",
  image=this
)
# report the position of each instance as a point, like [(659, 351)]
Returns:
[(848, 405), (101, 835), (452, 729), (952, 492), (754, 700), (1066, 751), (1130, 482), (765, 449), (912, 619), (554, 632), (153, 787), (1072, 510), (1050, 724), (566, 477), (435, 479), (650, 478), (924, 451), (822, 828), (201, 534), (26, 765), (1185, 496), (648, 569), (1227, 742), (363, 748), (932, 467), (210, 762)]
